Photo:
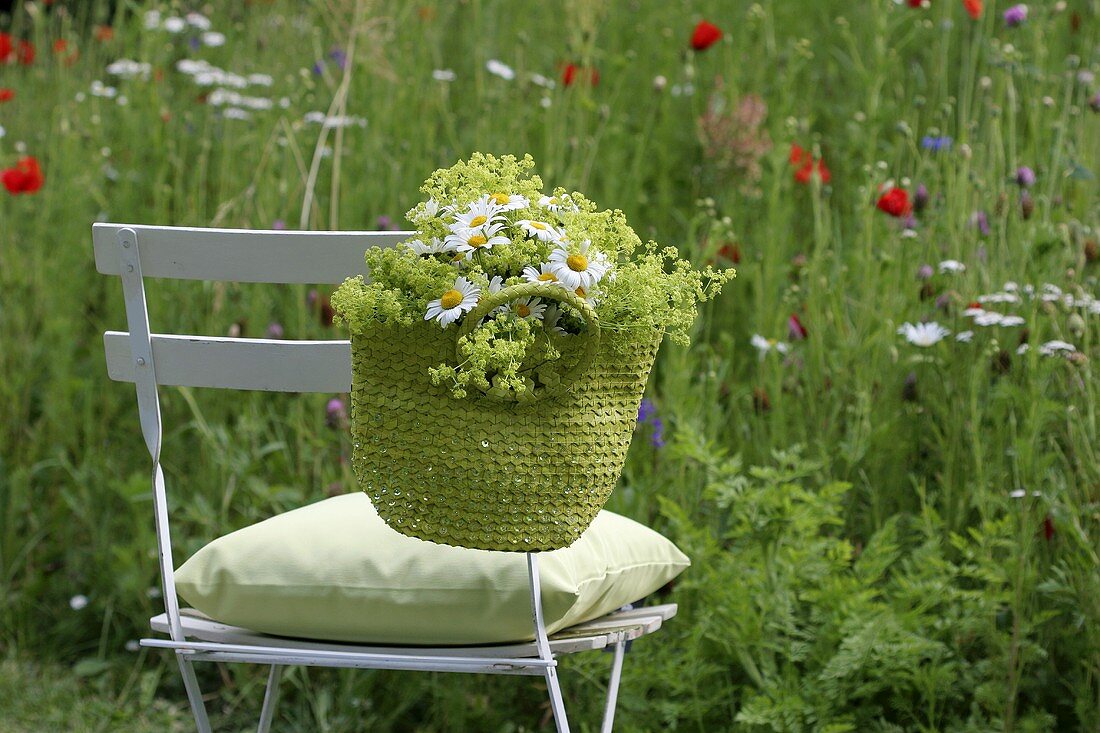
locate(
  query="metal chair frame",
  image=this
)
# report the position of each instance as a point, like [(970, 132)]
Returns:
[(149, 360)]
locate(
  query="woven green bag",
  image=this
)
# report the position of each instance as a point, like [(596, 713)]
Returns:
[(493, 471)]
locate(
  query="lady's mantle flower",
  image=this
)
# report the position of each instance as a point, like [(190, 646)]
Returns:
[(452, 304), (923, 334), (764, 345), (1015, 15), (540, 230), (582, 268)]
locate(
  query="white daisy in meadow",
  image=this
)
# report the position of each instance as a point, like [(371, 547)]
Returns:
[(452, 304), (1008, 321), (556, 204), (435, 246), (468, 241), (999, 298), (988, 318), (923, 334), (480, 213), (509, 202), (764, 345), (952, 266), (973, 310), (545, 274), (501, 69), (1050, 348), (540, 230), (964, 336), (1023, 349), (529, 308), (581, 268)]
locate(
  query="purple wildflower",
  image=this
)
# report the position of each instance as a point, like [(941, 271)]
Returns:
[(336, 413), (384, 222), (646, 410), (925, 272), (274, 330), (936, 143), (318, 68), (1094, 102), (657, 438), (194, 43), (338, 57), (1025, 177), (980, 220), (1015, 15), (311, 297), (920, 198), (278, 224)]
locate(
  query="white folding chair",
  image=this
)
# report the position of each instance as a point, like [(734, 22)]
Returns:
[(135, 252)]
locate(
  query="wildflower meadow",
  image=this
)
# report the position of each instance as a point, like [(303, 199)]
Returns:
[(881, 449)]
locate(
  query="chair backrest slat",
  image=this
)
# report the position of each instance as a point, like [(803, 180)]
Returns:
[(233, 363), (239, 255)]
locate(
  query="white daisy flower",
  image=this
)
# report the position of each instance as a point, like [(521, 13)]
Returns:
[(591, 295), (552, 203), (501, 69), (550, 320), (529, 308), (988, 318), (1011, 321), (923, 334), (213, 39), (496, 284), (452, 304), (540, 230), (434, 247), (1050, 348), (174, 24), (964, 336), (1011, 287), (545, 274), (509, 202), (483, 212), (78, 602), (468, 241), (971, 312), (1022, 349), (999, 298), (447, 75), (952, 266), (580, 269), (764, 345)]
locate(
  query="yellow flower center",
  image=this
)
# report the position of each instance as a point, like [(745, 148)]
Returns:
[(581, 292), (478, 220), (548, 277), (500, 198), (450, 299), (577, 263), (522, 310), (477, 240), (539, 225)]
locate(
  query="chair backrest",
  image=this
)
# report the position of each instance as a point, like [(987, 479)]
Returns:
[(135, 252)]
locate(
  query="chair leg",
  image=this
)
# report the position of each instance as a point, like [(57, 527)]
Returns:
[(194, 694), (271, 696), (613, 687), (557, 705)]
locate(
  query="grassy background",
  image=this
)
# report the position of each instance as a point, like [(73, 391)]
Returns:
[(927, 443)]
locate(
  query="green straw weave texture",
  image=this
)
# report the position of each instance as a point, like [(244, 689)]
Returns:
[(482, 472)]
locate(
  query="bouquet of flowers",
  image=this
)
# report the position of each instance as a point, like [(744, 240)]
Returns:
[(504, 297), (485, 231)]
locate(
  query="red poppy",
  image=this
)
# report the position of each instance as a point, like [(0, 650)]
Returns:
[(572, 73), (5, 48), (104, 33), (915, 3), (705, 35), (796, 331), (804, 159), (973, 8), (1048, 528), (731, 251), (895, 202), (60, 45), (24, 53), (6, 95), (25, 177)]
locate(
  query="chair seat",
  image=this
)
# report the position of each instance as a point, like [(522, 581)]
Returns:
[(615, 627)]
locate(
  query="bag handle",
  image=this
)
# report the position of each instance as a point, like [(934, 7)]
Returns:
[(589, 340)]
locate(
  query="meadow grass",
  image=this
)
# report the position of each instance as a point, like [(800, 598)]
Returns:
[(944, 497)]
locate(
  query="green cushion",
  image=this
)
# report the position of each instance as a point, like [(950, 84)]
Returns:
[(334, 570)]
